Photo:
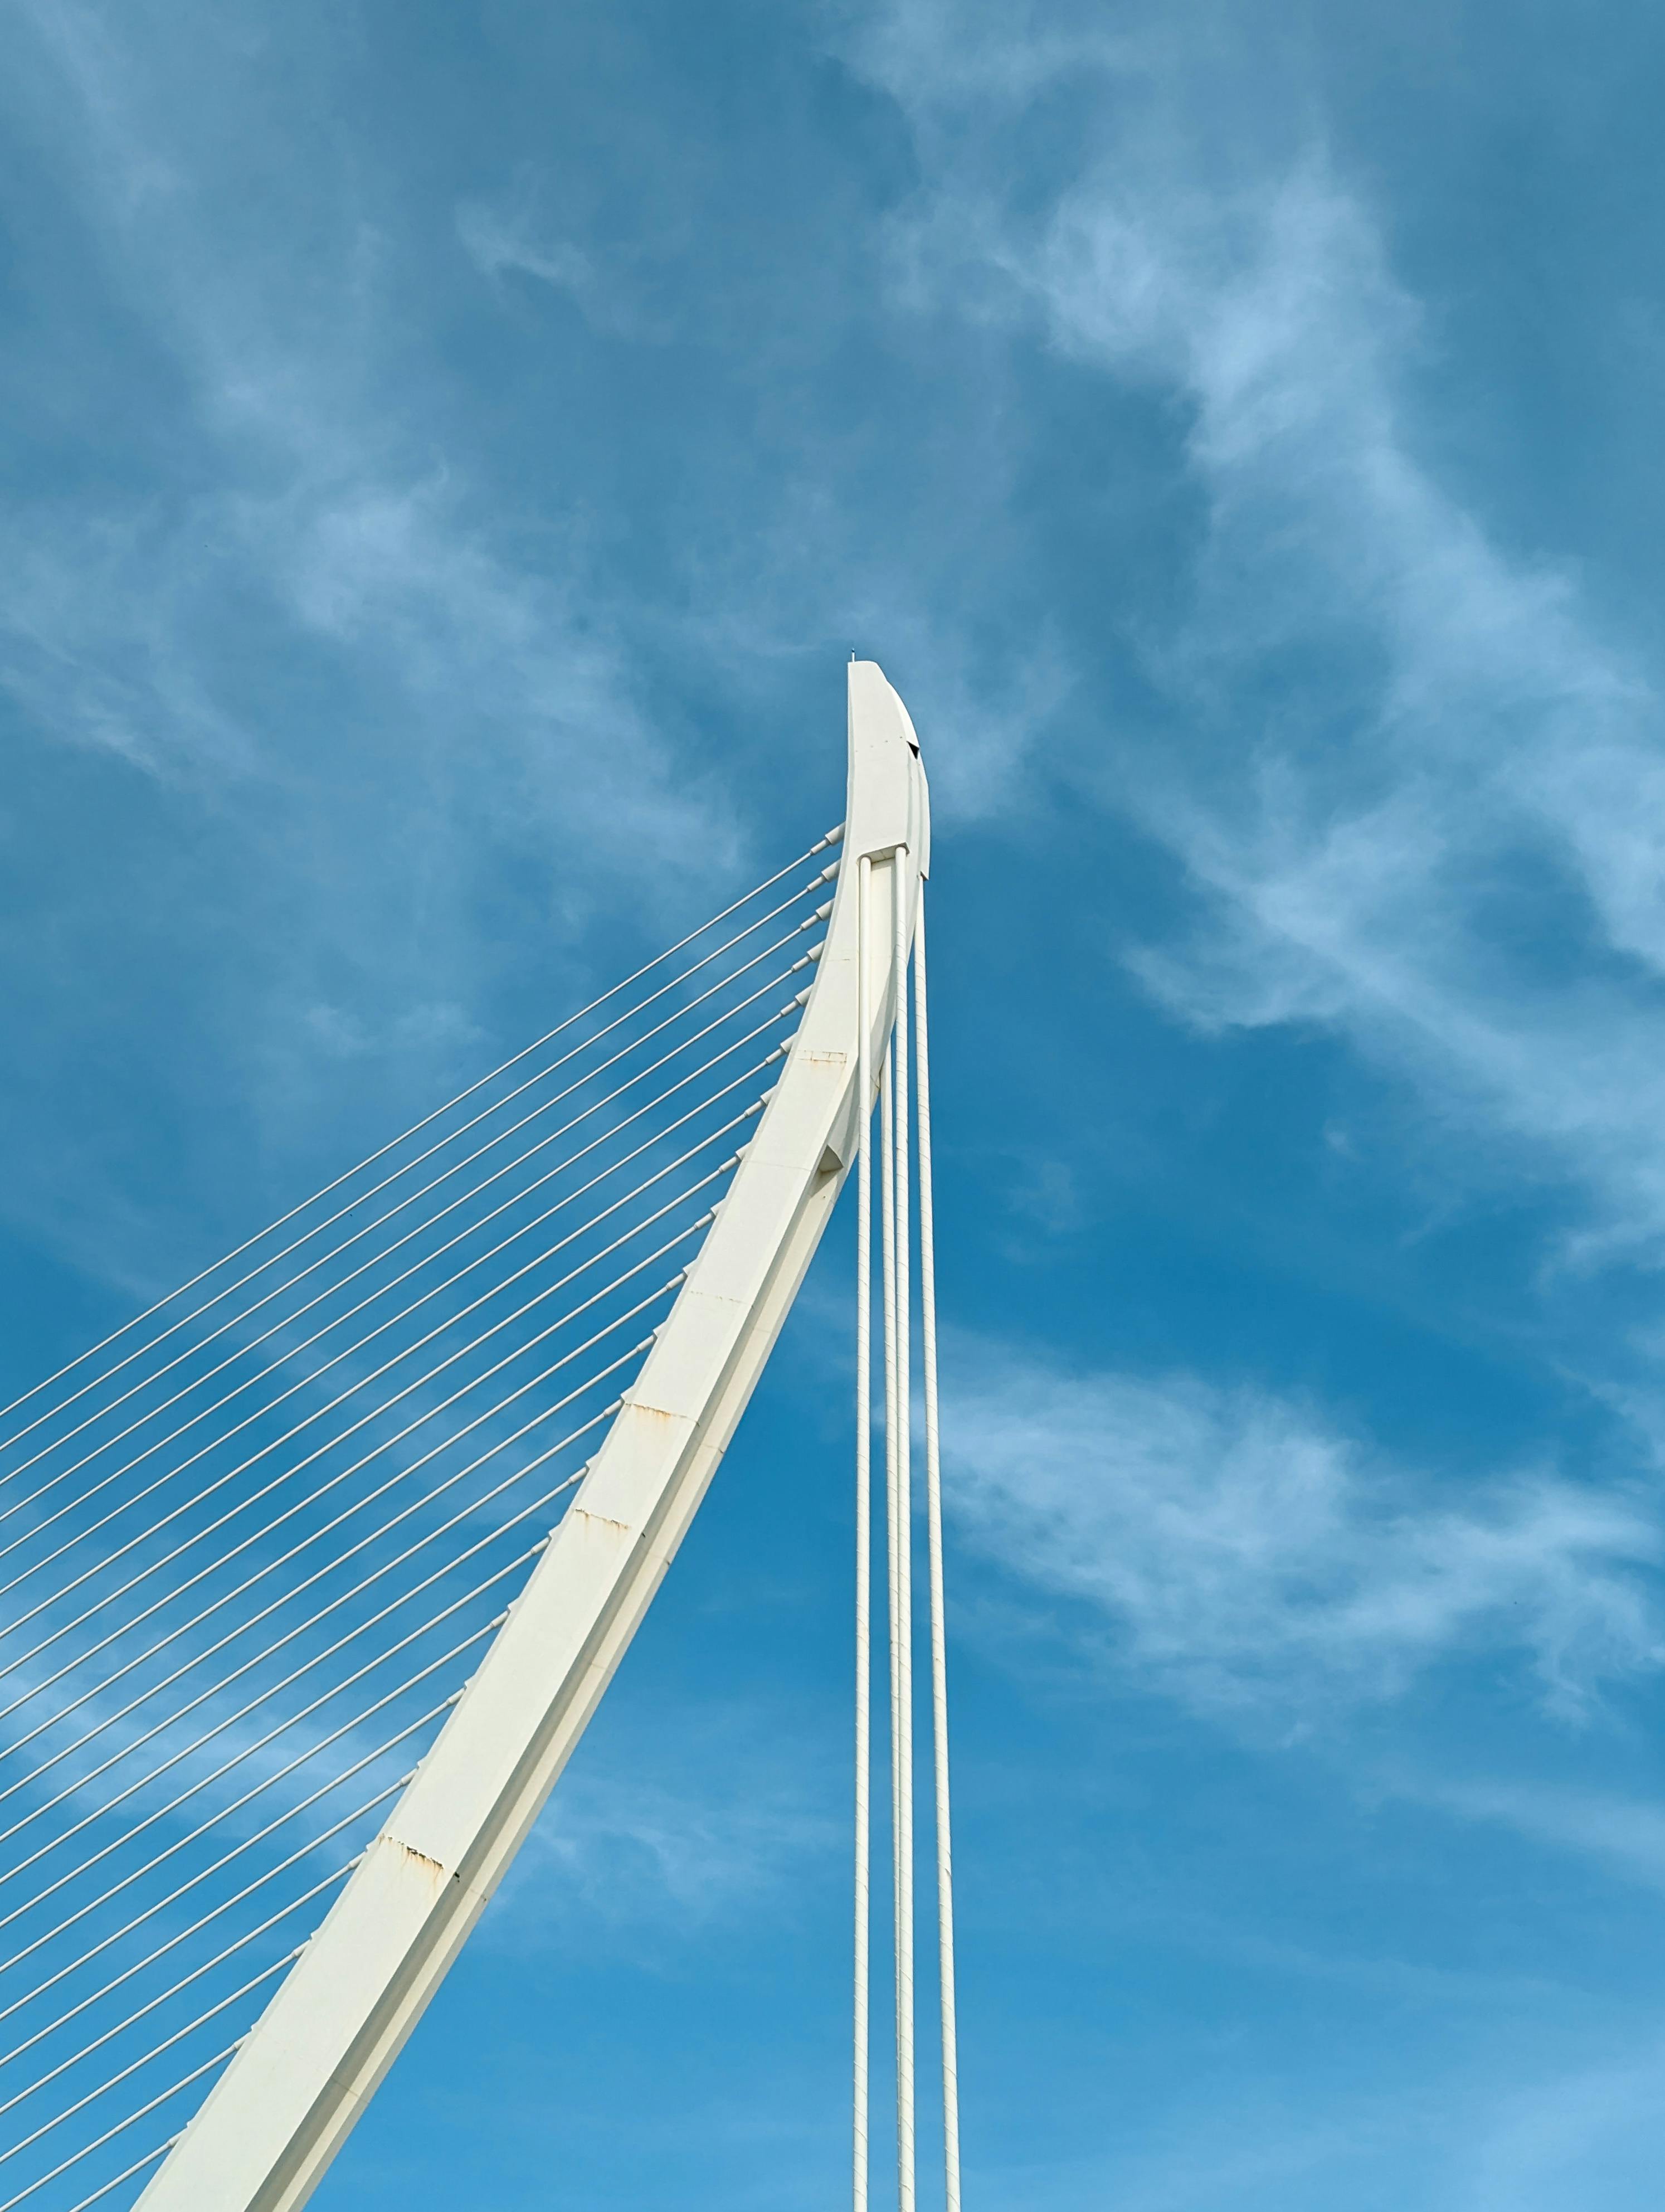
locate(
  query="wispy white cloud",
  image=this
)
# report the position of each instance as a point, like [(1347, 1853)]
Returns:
[(327, 494), (1624, 1835), (90, 646), (495, 241), (614, 290), (723, 1823), (1592, 2135), (366, 704), (1239, 1549), (1496, 2128), (1358, 841)]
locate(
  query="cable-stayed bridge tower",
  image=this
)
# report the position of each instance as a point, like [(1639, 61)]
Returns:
[(312, 1575)]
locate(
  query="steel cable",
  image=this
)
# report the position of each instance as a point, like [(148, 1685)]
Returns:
[(862, 1978), (473, 1229), (30, 2042), (381, 1152), (450, 1322), (127, 2173), (204, 1920), (320, 1574), (69, 1834), (363, 1421), (901, 1615), (231, 1950), (290, 1721), (456, 1168), (490, 1628), (128, 2071), (549, 1251), (315, 1536), (566, 1128), (951, 2099), (304, 1799), (110, 2134)]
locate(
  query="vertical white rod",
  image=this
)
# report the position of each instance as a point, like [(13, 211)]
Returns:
[(905, 1598), (950, 2084), (864, 1541), (887, 1261)]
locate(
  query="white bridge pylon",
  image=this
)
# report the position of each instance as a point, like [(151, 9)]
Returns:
[(284, 2106)]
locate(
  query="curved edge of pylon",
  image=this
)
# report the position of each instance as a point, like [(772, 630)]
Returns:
[(267, 2131)]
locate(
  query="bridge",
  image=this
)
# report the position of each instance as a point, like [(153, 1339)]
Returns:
[(312, 1574)]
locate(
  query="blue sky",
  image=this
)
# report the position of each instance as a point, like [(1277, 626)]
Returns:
[(448, 455)]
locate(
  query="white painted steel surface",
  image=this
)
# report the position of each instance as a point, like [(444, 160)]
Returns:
[(284, 2105), (861, 2020), (928, 1238)]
